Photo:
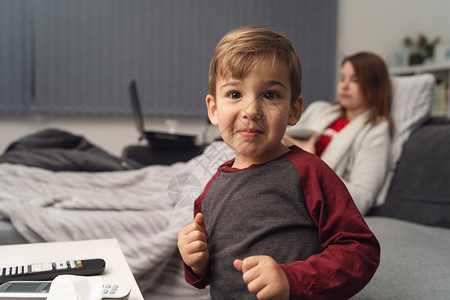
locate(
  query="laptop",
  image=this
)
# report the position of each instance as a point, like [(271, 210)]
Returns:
[(156, 140)]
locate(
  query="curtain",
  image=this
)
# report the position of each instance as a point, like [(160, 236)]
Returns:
[(87, 51), (15, 56)]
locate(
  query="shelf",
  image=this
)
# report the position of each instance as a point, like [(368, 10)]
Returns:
[(441, 101), (420, 69)]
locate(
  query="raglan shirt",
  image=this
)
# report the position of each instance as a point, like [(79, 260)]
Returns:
[(294, 209)]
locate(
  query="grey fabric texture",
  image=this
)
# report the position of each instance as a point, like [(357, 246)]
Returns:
[(9, 235), (245, 221), (420, 189), (414, 261)]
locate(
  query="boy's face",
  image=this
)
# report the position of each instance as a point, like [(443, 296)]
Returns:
[(252, 113)]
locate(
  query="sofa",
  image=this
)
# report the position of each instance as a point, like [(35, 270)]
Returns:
[(413, 225), (411, 218)]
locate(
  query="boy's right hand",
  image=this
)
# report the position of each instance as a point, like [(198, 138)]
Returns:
[(193, 246)]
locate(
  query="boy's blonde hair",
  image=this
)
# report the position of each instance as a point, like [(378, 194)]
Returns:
[(239, 51)]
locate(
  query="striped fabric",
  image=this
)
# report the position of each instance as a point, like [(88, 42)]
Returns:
[(132, 206), (15, 56)]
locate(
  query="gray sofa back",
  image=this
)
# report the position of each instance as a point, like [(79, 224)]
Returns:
[(420, 189)]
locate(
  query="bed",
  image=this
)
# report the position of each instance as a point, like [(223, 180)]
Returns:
[(57, 186)]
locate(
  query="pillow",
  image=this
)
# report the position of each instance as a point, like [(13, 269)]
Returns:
[(411, 100), (420, 189)]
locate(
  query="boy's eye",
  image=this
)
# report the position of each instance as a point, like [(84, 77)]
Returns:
[(234, 95), (271, 95)]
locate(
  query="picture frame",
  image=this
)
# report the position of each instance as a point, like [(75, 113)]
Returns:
[(400, 59), (442, 53)]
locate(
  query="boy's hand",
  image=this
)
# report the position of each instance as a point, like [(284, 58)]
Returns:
[(193, 246), (264, 277)]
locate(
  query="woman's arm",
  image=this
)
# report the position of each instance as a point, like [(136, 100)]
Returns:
[(368, 166), (307, 145)]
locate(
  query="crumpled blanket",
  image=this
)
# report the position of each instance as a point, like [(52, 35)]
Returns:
[(59, 150), (143, 209)]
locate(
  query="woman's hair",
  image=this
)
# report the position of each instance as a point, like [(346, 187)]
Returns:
[(241, 50), (375, 85)]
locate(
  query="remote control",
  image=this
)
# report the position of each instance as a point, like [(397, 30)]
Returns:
[(115, 291), (49, 270), (13, 290)]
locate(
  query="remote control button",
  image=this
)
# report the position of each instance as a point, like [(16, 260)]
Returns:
[(79, 264), (114, 289), (61, 265), (72, 264), (41, 267)]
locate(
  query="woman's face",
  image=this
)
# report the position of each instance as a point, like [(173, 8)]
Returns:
[(349, 90)]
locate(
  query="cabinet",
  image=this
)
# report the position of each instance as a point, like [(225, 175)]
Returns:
[(441, 101)]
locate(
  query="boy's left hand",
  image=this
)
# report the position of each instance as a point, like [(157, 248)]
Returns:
[(264, 277)]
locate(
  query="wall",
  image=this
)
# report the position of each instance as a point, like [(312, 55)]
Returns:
[(378, 26), (110, 133)]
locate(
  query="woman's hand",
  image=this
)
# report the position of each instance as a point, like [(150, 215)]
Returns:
[(307, 145)]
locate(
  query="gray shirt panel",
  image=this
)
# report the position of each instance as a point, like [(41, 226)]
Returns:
[(256, 211)]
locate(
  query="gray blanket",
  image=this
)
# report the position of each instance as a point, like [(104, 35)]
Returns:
[(143, 209)]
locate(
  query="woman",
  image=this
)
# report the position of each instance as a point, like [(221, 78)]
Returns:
[(352, 135)]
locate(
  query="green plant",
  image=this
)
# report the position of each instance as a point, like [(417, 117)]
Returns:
[(421, 49)]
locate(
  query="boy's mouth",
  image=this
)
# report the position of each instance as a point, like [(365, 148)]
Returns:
[(249, 132)]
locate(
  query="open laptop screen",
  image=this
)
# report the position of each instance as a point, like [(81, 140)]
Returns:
[(156, 139), (137, 112)]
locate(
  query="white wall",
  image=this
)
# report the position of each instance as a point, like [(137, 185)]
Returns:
[(110, 133), (378, 26)]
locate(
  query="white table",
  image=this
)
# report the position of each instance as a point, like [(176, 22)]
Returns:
[(116, 271)]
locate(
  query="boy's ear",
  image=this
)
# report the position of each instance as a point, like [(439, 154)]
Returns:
[(212, 109), (295, 111)]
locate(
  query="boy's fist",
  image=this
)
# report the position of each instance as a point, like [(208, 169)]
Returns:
[(264, 277), (193, 246)]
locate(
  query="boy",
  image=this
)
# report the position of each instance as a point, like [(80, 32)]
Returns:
[(274, 222)]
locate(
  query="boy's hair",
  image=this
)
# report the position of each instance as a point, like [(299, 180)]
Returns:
[(375, 85), (241, 50)]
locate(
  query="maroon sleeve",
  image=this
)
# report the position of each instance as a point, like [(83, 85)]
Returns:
[(351, 252), (191, 278)]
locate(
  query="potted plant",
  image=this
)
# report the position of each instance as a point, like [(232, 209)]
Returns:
[(421, 50)]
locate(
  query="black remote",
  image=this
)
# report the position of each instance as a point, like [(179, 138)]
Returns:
[(49, 270)]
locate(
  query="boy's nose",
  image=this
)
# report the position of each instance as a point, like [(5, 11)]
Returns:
[(252, 110)]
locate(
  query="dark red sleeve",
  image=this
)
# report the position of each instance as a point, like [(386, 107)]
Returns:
[(351, 252), (191, 278)]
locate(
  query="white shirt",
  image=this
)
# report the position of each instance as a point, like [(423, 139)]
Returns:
[(359, 153)]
